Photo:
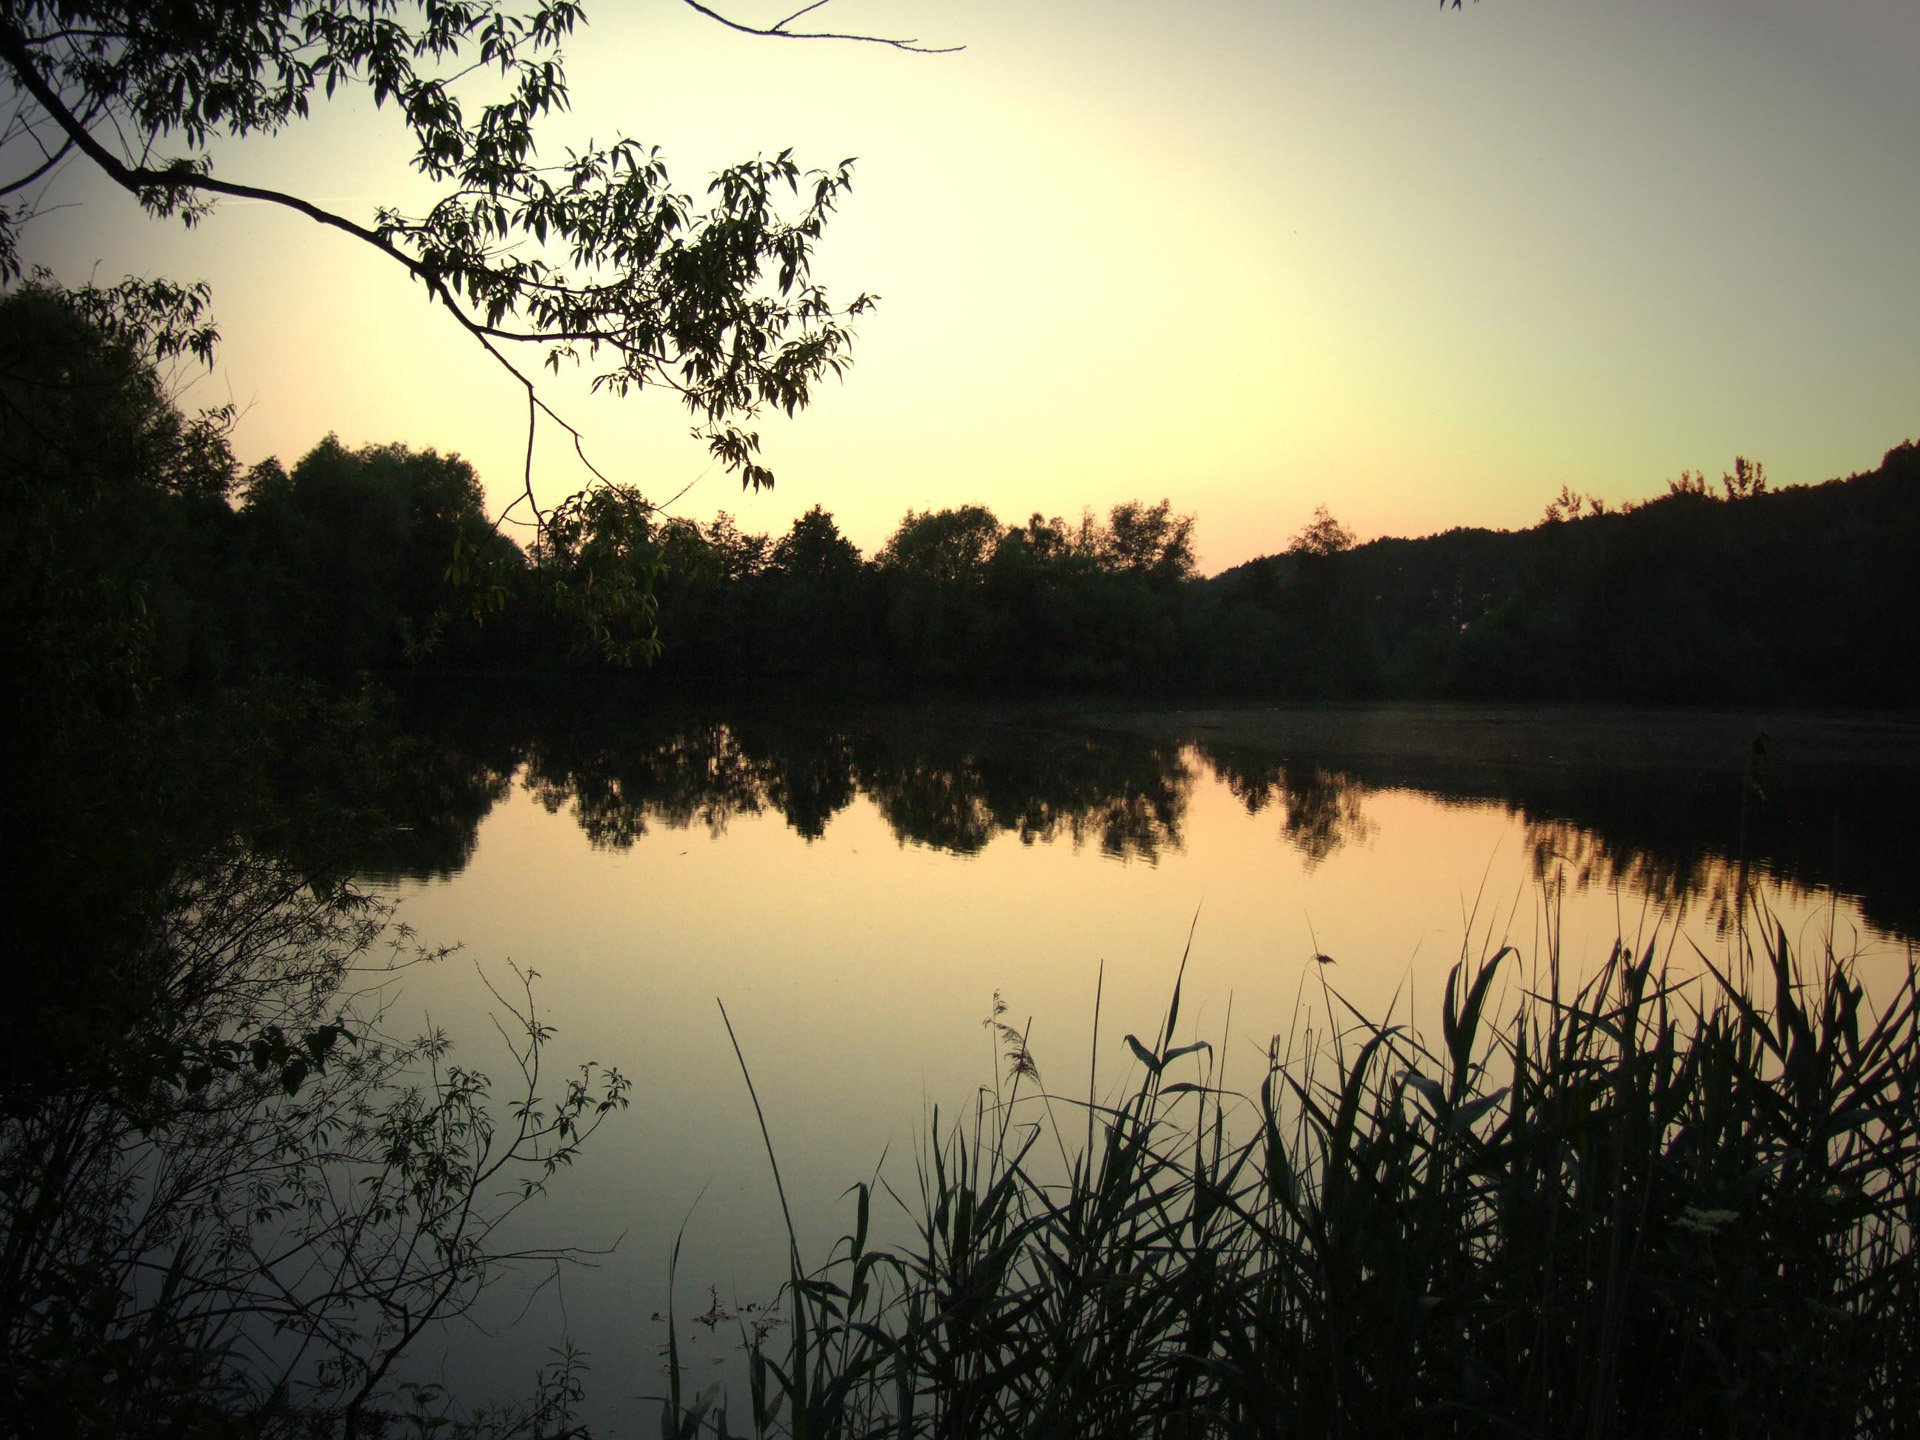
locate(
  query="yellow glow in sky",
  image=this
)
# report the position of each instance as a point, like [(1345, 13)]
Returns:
[(1420, 266)]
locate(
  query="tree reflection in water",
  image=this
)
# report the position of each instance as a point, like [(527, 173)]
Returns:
[(1320, 809), (1563, 855), (947, 788), (955, 780), (957, 792), (700, 773)]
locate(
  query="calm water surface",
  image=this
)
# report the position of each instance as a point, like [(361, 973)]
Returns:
[(858, 887)]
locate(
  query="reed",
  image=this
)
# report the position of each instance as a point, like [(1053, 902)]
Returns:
[(1646, 1205)]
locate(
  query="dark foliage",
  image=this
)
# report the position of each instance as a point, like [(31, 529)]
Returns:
[(349, 559), (1806, 595)]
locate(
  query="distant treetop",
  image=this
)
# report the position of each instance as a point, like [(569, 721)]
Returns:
[(1323, 535)]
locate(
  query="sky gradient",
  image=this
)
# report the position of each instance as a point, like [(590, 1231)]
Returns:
[(1422, 267)]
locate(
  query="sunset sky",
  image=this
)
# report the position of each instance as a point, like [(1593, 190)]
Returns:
[(1422, 267)]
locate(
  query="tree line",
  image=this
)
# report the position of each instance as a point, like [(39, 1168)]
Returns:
[(1735, 593), (142, 553)]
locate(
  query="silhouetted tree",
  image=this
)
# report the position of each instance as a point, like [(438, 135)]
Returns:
[(814, 549), (351, 552), (1321, 536), (116, 503), (818, 602), (1150, 541), (596, 565), (943, 545), (935, 570), (736, 555)]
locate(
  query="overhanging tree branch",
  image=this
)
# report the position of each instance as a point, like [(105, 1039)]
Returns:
[(717, 307), (142, 181), (13, 186), (778, 30)]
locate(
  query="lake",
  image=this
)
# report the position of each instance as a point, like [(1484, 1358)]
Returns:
[(859, 888)]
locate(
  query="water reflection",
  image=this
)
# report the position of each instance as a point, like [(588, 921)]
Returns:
[(1670, 832), (432, 819), (954, 791), (1565, 855), (952, 788), (1321, 810), (699, 774)]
